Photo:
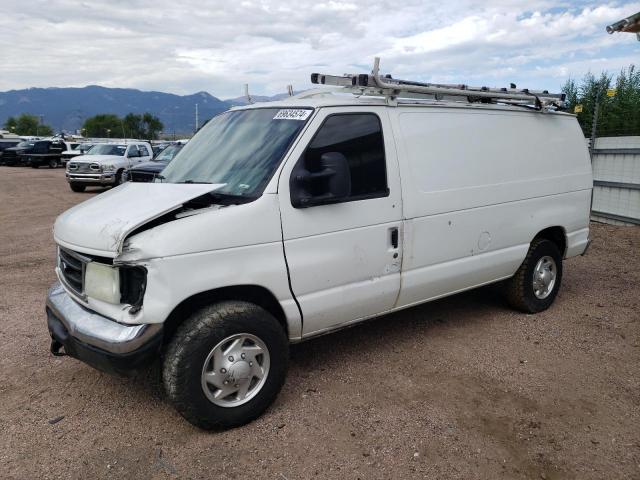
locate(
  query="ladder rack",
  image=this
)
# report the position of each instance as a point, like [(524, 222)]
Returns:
[(392, 89)]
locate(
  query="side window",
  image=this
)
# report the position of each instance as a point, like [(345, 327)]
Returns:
[(133, 151), (357, 136), (143, 150)]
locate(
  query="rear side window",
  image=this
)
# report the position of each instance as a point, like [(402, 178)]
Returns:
[(41, 147), (358, 136)]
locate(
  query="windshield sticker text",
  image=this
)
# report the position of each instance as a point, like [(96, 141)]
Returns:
[(292, 114)]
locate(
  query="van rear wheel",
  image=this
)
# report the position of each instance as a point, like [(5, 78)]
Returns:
[(535, 285), (225, 365)]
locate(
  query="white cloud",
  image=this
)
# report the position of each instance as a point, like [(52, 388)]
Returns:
[(218, 46)]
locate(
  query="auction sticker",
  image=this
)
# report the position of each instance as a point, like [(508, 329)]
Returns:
[(292, 114)]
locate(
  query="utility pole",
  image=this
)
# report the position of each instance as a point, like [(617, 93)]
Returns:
[(196, 117)]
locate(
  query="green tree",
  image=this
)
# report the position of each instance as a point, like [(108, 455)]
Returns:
[(27, 124), (618, 115), (11, 124), (103, 125), (146, 126), (133, 126), (152, 125)]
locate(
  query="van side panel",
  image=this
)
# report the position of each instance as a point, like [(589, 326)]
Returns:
[(478, 186), (454, 160), (455, 251)]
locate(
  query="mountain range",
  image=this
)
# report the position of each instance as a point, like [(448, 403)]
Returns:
[(66, 109)]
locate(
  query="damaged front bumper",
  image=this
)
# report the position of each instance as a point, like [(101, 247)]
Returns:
[(96, 340)]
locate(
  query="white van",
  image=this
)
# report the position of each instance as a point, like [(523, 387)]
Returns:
[(282, 221)]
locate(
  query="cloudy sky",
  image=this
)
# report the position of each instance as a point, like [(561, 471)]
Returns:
[(186, 46)]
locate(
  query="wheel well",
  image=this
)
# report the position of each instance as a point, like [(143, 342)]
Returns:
[(556, 235), (248, 293)]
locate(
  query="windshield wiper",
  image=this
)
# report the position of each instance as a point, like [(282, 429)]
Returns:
[(192, 181), (230, 199)]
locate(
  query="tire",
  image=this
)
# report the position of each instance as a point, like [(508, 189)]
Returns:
[(521, 289), (77, 188), (191, 352), (53, 163), (118, 178)]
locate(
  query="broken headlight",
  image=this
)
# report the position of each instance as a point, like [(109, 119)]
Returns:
[(133, 282), (116, 284), (102, 282)]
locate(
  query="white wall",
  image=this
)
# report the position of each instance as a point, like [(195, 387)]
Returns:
[(622, 168)]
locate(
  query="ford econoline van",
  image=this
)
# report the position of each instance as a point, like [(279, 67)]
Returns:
[(282, 221)]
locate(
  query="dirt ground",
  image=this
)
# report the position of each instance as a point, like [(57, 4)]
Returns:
[(460, 388)]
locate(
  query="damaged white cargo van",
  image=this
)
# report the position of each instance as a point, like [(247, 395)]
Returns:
[(282, 221)]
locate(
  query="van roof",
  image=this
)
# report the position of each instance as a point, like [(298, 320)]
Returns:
[(336, 97)]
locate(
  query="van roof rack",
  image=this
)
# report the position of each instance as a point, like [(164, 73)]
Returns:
[(393, 88)]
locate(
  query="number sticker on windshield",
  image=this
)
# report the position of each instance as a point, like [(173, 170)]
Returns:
[(292, 114)]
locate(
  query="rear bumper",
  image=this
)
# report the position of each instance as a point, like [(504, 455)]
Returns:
[(96, 340)]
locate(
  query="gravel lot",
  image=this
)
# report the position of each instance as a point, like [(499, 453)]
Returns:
[(460, 388)]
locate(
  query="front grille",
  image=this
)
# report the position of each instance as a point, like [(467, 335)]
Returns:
[(72, 267), (77, 167), (141, 176)]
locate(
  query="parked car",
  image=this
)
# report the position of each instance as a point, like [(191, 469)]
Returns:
[(76, 150), (7, 143), (147, 171), (159, 147), (13, 155), (283, 221), (104, 163), (46, 152)]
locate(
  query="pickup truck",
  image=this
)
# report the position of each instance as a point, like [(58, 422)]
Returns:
[(6, 143), (104, 164), (46, 152), (13, 155), (76, 150)]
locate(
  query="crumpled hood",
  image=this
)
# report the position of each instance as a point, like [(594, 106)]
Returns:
[(100, 225)]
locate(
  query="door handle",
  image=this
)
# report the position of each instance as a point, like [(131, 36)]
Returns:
[(394, 237)]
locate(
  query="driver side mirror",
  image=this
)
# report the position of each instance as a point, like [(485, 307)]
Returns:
[(327, 182)]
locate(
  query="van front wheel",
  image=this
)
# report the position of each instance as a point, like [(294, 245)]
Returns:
[(535, 285), (225, 364)]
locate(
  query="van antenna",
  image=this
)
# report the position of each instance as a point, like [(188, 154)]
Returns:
[(246, 93)]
